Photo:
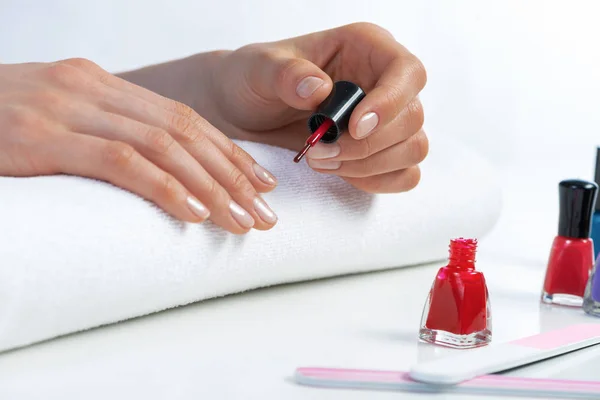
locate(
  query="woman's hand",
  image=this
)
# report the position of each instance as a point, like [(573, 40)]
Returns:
[(263, 93), (72, 117)]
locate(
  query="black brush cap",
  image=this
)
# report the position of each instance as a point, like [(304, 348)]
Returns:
[(338, 107), (597, 174), (577, 201)]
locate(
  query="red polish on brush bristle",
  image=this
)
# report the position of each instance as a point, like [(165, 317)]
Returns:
[(313, 139)]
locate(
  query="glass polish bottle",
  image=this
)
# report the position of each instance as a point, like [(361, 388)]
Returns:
[(457, 310), (572, 254), (591, 298)]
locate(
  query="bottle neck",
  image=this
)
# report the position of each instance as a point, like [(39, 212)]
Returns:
[(461, 265), (462, 254)]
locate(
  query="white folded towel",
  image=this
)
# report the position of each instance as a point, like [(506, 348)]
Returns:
[(77, 253)]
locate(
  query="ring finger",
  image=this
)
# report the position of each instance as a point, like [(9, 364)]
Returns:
[(406, 123), (400, 156)]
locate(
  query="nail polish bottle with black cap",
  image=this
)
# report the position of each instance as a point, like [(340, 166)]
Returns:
[(572, 254)]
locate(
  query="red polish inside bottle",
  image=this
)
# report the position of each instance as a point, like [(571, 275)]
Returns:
[(569, 267), (457, 310), (572, 254)]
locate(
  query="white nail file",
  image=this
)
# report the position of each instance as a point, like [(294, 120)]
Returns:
[(490, 385), (487, 360)]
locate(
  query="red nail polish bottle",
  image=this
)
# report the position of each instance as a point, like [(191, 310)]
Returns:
[(572, 254), (457, 311)]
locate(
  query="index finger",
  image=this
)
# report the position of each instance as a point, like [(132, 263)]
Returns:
[(369, 56)]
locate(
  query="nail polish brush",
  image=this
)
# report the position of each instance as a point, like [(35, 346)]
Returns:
[(331, 118), (313, 139)]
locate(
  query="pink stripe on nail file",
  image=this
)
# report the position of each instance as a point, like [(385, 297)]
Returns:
[(560, 337), (489, 384), (495, 358)]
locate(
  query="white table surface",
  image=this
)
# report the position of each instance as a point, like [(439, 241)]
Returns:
[(247, 346)]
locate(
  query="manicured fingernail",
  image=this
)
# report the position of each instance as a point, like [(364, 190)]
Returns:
[(323, 164), (308, 86), (197, 208), (264, 211), (366, 124), (264, 176), (322, 150), (240, 215)]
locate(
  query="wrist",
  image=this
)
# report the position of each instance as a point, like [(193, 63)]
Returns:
[(188, 80), (210, 78), (200, 78)]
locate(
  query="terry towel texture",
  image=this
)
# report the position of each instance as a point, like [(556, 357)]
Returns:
[(77, 253)]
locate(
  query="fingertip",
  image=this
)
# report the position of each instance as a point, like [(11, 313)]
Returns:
[(365, 125), (263, 180), (199, 211), (310, 91), (312, 88), (262, 188), (308, 85), (363, 108), (304, 85), (264, 228)]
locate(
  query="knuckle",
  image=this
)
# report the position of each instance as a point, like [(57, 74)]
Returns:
[(118, 155), (63, 75), (81, 63), (186, 129), (86, 66), (365, 167), (167, 188), (415, 115), (418, 71), (252, 48), (239, 154), (369, 27), (365, 148), (420, 147), (239, 182), (262, 52), (265, 53), (395, 98), (268, 55), (213, 191), (183, 109), (285, 68), (214, 196), (410, 179), (159, 141)]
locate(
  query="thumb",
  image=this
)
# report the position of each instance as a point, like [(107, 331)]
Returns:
[(297, 82)]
